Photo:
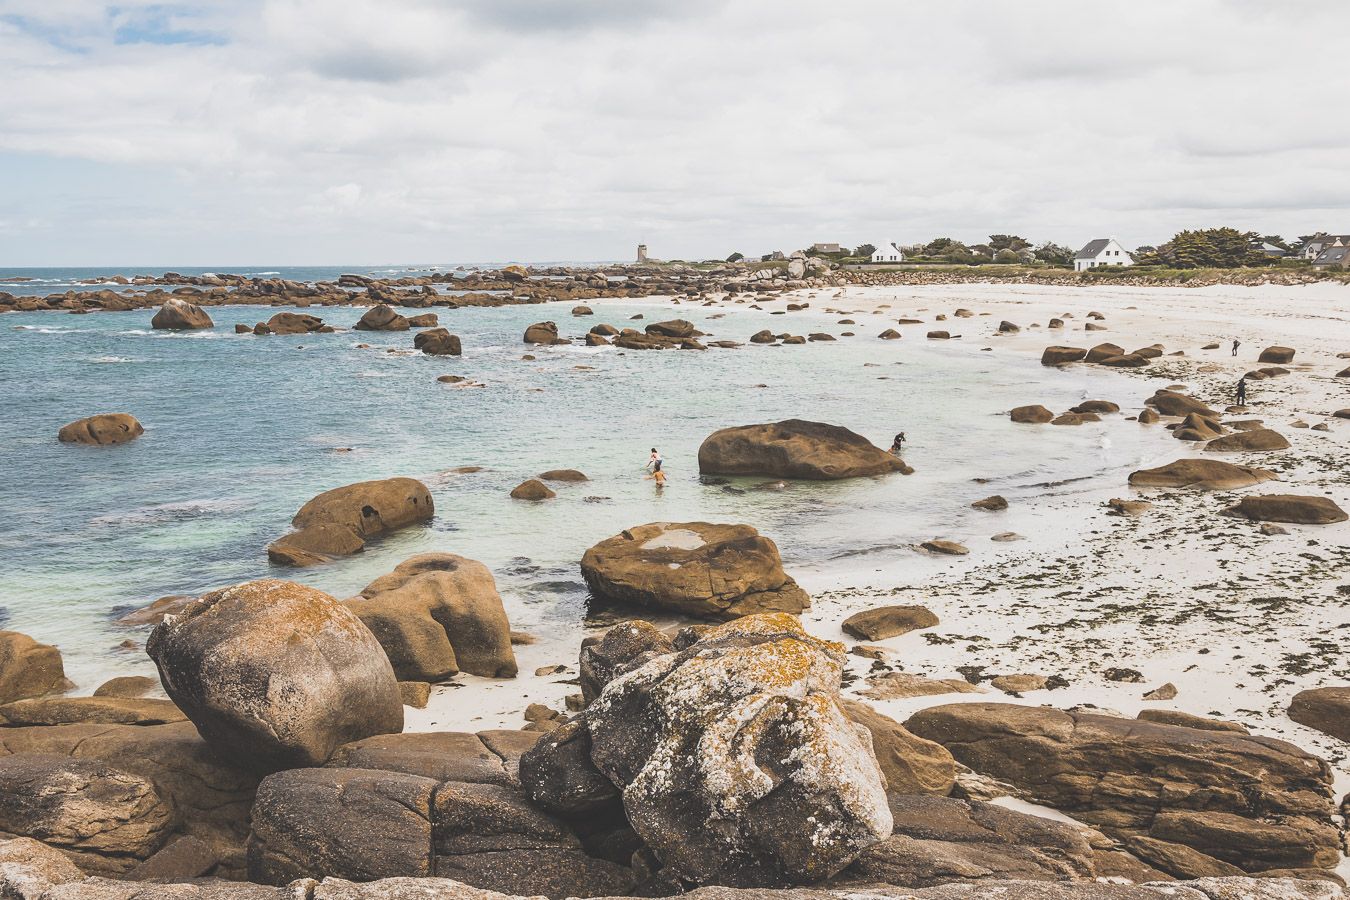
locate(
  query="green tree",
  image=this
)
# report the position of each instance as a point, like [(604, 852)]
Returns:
[(1008, 242), (1218, 248), (939, 246), (1007, 256), (1054, 254), (736, 257), (864, 250)]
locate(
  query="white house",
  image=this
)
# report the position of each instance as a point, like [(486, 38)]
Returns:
[(887, 252), (1101, 252), (1323, 241)]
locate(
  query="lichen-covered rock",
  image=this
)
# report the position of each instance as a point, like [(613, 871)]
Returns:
[(697, 568), (437, 614), (275, 674), (107, 819), (338, 522), (27, 668), (623, 647), (735, 762), (102, 430), (1202, 475), (179, 314), (794, 449), (1252, 802)]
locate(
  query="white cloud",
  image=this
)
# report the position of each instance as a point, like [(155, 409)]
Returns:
[(304, 131)]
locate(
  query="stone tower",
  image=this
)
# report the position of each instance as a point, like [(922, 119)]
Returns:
[(642, 253)]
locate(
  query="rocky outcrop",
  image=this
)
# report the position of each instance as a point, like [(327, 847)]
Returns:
[(97, 710), (742, 728), (940, 840), (1171, 403), (794, 449), (909, 764), (1031, 415), (1327, 709), (437, 614), (104, 818), (1201, 474), (382, 318), (102, 430), (1277, 355), (291, 323), (887, 622), (1298, 509), (438, 342), (338, 522), (695, 568), (1103, 352), (543, 333), (568, 476), (1255, 439), (1196, 427), (180, 315), (1256, 803), (1058, 356), (275, 674), (27, 668)]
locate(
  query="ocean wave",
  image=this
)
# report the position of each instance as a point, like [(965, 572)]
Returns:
[(112, 359), (375, 374), (171, 512), (44, 329)]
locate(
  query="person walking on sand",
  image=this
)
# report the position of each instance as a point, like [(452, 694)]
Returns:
[(1242, 391), (1236, 344)]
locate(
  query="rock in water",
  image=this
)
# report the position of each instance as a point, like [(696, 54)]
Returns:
[(276, 675), (1201, 474), (438, 342), (180, 314), (1031, 415), (27, 668), (1326, 709), (1297, 509), (1252, 802), (382, 318), (338, 522), (533, 489), (437, 614), (542, 333), (794, 449), (696, 568), (735, 762), (1058, 356), (101, 430)]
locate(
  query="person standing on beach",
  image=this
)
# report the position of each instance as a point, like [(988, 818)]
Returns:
[(1242, 391), (1235, 346)]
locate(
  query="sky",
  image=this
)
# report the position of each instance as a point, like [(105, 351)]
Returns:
[(307, 132)]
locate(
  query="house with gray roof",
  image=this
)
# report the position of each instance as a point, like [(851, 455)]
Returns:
[(1335, 255), (1101, 252)]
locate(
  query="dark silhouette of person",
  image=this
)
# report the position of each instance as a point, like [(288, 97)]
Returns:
[(1242, 391), (898, 444), (1235, 346)]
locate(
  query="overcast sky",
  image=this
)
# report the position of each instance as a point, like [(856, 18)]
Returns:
[(242, 132)]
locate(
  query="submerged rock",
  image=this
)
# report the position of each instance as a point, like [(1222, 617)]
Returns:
[(697, 568), (276, 675), (338, 522), (794, 448), (533, 489), (104, 429)]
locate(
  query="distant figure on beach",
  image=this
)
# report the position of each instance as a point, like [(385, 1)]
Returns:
[(1242, 391), (654, 461), (898, 444), (1235, 346)]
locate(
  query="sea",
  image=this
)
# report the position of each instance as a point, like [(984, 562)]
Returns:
[(241, 430)]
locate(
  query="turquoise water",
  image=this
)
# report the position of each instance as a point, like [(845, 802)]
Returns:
[(241, 430)]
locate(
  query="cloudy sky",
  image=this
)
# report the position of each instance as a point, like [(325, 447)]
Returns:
[(242, 132)]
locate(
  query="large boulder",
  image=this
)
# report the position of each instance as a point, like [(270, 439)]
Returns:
[(794, 449), (625, 646), (488, 757), (1031, 415), (909, 763), (1201, 474), (382, 318), (1298, 509), (1058, 356), (1327, 709), (338, 522), (276, 674), (542, 333), (939, 840), (104, 429), (884, 622), (360, 824), (179, 314), (104, 818), (675, 328), (291, 323), (696, 568), (1277, 355), (27, 668), (438, 342), (1252, 802), (1103, 352), (437, 614), (1172, 403), (1255, 439), (740, 731)]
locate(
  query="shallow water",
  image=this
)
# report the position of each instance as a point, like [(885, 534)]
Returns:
[(242, 430)]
